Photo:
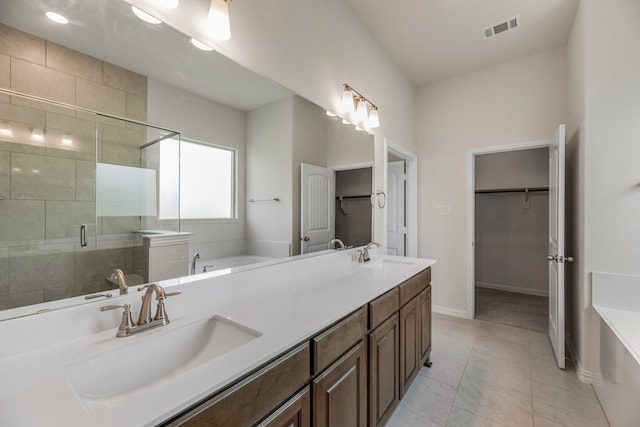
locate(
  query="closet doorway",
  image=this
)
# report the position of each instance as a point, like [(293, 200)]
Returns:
[(511, 232)]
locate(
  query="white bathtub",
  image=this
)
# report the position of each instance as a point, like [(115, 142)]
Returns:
[(229, 262)]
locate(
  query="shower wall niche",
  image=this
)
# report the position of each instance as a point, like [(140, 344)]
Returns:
[(75, 186)]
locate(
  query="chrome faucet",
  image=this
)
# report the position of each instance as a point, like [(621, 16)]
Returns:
[(145, 321), (364, 255), (118, 276), (193, 262), (338, 242)]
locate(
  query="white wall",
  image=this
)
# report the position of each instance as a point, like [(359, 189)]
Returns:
[(604, 68), (269, 157), (523, 100), (207, 121), (313, 47)]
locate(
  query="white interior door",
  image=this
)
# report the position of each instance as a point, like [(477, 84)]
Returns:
[(396, 229), (317, 207), (556, 256)]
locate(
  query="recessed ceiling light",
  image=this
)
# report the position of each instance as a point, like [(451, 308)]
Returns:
[(56, 17), (145, 16), (167, 4), (200, 45)]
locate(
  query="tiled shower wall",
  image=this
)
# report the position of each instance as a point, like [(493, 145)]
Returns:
[(47, 189)]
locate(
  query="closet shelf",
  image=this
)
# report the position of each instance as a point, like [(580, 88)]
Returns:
[(366, 196), (513, 190)]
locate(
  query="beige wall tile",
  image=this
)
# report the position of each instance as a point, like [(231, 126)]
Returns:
[(43, 106), (21, 220), (123, 79), (136, 107), (5, 164), (21, 299), (86, 180), (92, 268), (36, 272), (64, 218), (5, 71), (5, 98), (120, 145), (82, 133), (120, 224), (41, 81), (29, 116), (100, 98), (42, 178), (73, 62), (21, 45)]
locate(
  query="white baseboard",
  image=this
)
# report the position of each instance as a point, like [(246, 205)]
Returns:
[(584, 375), (516, 289), (449, 311)]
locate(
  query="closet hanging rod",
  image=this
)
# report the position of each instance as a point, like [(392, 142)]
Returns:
[(514, 190), (275, 199), (366, 196)]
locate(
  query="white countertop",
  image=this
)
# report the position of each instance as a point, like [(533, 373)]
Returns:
[(287, 303), (616, 298)]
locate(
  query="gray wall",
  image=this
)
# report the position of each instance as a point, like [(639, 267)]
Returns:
[(510, 234), (353, 221)]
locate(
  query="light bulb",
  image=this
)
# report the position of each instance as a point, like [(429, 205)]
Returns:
[(374, 120), (56, 17), (67, 140), (5, 130), (348, 104), (37, 135), (145, 16), (361, 112), (197, 43), (330, 114), (219, 25)]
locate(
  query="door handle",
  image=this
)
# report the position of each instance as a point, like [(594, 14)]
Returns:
[(552, 257), (83, 235), (306, 238), (568, 259)]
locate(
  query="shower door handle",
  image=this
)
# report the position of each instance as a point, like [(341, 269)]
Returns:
[(83, 235)]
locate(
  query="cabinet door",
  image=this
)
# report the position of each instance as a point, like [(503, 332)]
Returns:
[(339, 394), (409, 344), (384, 363), (296, 412), (424, 303)]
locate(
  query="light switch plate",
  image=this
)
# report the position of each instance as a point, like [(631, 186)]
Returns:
[(442, 209)]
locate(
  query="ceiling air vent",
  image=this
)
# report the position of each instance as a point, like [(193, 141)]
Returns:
[(501, 27)]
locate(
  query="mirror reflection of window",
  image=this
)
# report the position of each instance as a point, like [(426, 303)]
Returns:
[(207, 181)]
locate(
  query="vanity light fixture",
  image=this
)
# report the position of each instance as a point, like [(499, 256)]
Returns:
[(374, 120), (197, 43), (330, 114), (37, 135), (366, 112), (218, 20), (56, 17), (145, 16)]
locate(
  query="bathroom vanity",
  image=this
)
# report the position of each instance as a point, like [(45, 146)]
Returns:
[(318, 341)]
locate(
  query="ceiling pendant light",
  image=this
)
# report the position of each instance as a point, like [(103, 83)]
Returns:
[(374, 120), (145, 16), (361, 112), (218, 22), (348, 103)]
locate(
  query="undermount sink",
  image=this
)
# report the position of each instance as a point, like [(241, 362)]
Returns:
[(155, 357), (380, 264)]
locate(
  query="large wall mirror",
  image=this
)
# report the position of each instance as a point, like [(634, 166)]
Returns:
[(256, 133)]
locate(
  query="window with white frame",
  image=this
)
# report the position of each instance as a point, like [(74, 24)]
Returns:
[(207, 178)]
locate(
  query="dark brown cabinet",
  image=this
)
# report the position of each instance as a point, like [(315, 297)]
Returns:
[(409, 344), (339, 394), (296, 412), (424, 307), (384, 362)]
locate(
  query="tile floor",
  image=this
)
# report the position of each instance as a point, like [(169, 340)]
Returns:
[(510, 308), (486, 374)]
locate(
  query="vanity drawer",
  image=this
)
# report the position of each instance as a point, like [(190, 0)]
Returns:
[(412, 287), (383, 307), (254, 397), (338, 339)]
